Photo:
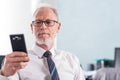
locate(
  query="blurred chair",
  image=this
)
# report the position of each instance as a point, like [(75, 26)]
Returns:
[(117, 57), (107, 74), (1, 60)]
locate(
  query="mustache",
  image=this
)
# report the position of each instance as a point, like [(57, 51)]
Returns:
[(43, 32)]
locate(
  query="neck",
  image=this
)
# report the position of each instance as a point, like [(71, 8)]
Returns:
[(44, 46)]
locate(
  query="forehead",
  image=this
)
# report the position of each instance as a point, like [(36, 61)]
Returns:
[(45, 13)]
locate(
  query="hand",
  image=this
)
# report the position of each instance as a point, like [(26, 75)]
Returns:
[(14, 62)]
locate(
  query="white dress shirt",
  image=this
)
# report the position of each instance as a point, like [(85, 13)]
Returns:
[(67, 65)]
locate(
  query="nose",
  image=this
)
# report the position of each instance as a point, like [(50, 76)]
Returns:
[(43, 26)]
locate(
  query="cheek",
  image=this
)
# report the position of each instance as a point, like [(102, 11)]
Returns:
[(35, 30), (53, 31)]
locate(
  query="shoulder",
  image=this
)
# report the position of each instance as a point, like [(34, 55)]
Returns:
[(68, 56), (31, 54)]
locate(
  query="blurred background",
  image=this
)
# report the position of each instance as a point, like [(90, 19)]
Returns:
[(90, 28)]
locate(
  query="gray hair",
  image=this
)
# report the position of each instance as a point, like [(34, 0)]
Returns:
[(44, 5)]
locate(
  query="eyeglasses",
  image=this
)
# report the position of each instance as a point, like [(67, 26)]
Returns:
[(48, 23)]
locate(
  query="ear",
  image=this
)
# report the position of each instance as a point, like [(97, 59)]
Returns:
[(31, 27), (59, 26)]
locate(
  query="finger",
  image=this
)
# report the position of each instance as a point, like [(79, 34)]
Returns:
[(17, 54), (18, 65), (11, 68), (18, 59)]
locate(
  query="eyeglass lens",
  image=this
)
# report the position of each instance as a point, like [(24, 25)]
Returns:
[(48, 23)]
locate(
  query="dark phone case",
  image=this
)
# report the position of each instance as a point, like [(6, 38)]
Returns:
[(18, 42)]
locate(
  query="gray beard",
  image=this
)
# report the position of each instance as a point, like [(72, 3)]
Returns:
[(45, 42)]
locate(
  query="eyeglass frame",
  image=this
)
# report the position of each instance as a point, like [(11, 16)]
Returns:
[(45, 22)]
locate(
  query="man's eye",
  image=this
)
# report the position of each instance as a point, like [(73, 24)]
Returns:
[(38, 22), (48, 22)]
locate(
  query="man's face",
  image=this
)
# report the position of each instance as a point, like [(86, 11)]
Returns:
[(44, 32)]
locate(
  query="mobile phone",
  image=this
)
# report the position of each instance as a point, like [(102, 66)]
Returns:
[(18, 42)]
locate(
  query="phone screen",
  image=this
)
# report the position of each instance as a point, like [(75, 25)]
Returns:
[(18, 42)]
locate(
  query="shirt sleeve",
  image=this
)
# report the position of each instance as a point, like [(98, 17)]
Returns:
[(13, 77), (3, 77), (79, 74)]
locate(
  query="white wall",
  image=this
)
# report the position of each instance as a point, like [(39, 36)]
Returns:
[(15, 17), (90, 28)]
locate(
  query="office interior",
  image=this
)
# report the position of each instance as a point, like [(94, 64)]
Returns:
[(90, 28)]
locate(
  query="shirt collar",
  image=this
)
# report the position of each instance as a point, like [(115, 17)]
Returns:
[(40, 51)]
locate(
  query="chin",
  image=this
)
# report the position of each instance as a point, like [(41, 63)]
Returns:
[(45, 42)]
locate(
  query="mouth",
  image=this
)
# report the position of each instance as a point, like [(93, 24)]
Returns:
[(41, 35), (44, 33)]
